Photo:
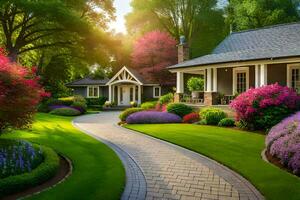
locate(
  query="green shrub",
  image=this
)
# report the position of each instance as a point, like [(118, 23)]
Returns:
[(179, 109), (212, 115), (202, 122), (67, 101), (167, 98), (65, 112), (96, 101), (195, 84), (149, 105), (227, 122), (46, 170), (123, 116)]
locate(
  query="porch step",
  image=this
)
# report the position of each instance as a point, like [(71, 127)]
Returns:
[(116, 108)]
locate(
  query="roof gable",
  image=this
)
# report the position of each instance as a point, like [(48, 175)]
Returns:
[(124, 75)]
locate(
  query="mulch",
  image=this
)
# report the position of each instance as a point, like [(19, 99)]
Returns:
[(63, 171)]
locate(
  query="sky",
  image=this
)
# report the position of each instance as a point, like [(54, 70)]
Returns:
[(122, 8)]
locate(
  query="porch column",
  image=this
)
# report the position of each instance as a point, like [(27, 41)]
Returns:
[(215, 79), (109, 94), (208, 80), (139, 94), (257, 76), (180, 83), (263, 75)]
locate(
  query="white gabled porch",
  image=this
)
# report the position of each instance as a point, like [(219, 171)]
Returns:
[(124, 88)]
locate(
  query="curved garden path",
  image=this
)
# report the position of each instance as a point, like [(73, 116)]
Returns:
[(159, 170)]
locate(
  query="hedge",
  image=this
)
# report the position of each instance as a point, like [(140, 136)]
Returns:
[(65, 111), (42, 173)]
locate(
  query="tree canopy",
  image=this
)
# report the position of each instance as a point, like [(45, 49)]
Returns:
[(249, 14)]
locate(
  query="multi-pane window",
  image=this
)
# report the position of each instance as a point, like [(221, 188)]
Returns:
[(295, 82), (241, 82), (93, 92), (156, 92)]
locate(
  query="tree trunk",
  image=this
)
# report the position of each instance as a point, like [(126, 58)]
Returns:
[(13, 55)]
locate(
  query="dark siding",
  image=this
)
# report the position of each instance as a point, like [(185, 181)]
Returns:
[(166, 89), (277, 74), (147, 92), (251, 76), (225, 81), (104, 91), (82, 91)]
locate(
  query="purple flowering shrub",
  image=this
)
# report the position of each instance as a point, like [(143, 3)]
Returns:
[(264, 107), (152, 117), (18, 157), (283, 142)]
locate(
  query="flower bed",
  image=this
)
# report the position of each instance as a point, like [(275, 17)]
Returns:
[(283, 142), (264, 107), (17, 157), (152, 117), (28, 178)]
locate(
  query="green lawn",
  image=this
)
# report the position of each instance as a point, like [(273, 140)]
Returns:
[(239, 150), (97, 173)]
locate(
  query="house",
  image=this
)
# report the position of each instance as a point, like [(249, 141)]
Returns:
[(124, 87), (245, 59)]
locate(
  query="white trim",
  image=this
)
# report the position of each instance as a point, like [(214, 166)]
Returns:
[(234, 77), (180, 83), (159, 89), (257, 76), (88, 89), (289, 73), (263, 74), (124, 77), (236, 64), (215, 79), (209, 80)]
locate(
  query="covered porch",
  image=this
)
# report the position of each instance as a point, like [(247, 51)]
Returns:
[(224, 82)]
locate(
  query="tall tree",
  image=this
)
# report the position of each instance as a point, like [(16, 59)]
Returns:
[(152, 53), (248, 14), (181, 17), (33, 25)]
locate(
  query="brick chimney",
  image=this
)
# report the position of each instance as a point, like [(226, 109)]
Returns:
[(183, 50)]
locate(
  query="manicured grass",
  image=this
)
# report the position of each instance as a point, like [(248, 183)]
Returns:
[(97, 172), (239, 150)]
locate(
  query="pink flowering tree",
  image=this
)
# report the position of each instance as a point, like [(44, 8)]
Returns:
[(152, 53), (20, 93), (262, 108)]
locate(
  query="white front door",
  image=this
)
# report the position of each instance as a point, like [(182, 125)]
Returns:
[(126, 95)]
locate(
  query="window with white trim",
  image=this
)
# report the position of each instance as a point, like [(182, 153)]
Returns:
[(93, 92), (240, 79), (294, 77), (156, 92)]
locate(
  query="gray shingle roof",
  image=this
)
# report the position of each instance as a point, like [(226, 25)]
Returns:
[(265, 43), (88, 81)]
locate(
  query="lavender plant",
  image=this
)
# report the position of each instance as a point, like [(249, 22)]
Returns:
[(283, 142), (18, 157), (152, 117)]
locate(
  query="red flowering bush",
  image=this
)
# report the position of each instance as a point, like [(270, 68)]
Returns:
[(20, 93), (191, 118), (262, 108)]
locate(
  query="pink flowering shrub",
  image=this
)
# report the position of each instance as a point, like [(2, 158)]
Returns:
[(262, 108), (20, 93), (283, 142)]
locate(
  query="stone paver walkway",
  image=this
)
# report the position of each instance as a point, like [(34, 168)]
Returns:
[(160, 170)]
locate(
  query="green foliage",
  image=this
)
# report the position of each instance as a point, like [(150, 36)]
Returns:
[(249, 14), (65, 112), (43, 172), (149, 105), (179, 109), (227, 122), (195, 84), (167, 98), (202, 122), (212, 115), (96, 101), (128, 112)]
